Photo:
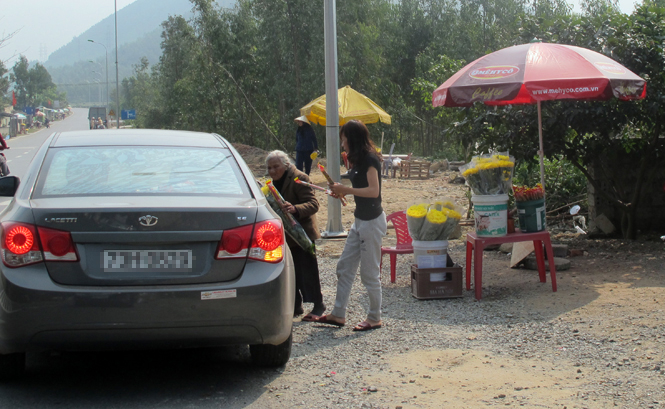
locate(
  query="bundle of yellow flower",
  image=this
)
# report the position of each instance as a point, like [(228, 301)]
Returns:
[(489, 174), (453, 217), (415, 217), (433, 221)]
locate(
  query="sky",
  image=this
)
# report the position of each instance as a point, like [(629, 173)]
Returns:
[(46, 25), (43, 26)]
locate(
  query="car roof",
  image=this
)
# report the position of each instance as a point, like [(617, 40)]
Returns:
[(137, 137)]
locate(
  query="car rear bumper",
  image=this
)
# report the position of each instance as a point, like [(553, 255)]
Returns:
[(38, 314)]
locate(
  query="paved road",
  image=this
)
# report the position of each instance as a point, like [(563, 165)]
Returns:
[(22, 148), (203, 378)]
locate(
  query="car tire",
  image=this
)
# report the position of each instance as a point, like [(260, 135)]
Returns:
[(12, 366), (271, 355)]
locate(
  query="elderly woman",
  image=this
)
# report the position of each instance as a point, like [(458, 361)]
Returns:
[(302, 203)]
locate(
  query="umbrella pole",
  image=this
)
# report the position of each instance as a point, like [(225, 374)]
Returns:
[(541, 152)]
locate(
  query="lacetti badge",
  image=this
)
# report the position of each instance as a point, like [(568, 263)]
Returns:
[(610, 67), (61, 219), (494, 72), (148, 220)]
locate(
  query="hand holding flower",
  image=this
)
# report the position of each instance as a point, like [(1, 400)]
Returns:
[(338, 189), (289, 208)]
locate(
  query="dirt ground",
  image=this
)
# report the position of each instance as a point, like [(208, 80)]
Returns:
[(611, 296)]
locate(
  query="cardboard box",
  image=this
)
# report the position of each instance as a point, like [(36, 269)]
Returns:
[(436, 283)]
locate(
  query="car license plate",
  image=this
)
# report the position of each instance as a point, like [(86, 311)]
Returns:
[(142, 260)]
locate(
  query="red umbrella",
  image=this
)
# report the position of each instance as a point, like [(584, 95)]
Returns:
[(535, 72)]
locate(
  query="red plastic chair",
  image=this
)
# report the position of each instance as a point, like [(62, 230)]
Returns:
[(404, 240)]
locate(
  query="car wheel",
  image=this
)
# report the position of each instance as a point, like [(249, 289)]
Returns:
[(271, 355), (11, 366)]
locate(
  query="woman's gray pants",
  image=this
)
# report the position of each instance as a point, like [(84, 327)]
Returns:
[(362, 248)]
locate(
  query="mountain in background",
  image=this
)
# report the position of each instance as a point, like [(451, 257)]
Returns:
[(139, 35), (134, 21)]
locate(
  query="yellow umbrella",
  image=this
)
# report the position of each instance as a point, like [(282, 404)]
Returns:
[(352, 105)]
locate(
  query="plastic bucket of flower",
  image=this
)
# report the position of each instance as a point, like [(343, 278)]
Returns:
[(491, 215), (430, 254), (490, 179), (530, 203)]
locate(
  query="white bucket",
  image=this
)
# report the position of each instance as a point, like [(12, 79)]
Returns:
[(491, 214), (430, 254)]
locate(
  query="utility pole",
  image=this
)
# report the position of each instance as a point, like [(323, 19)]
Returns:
[(117, 82), (334, 227), (106, 53)]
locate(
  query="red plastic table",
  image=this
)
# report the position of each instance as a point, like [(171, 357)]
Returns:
[(479, 244)]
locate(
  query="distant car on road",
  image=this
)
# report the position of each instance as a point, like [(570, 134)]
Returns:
[(133, 239)]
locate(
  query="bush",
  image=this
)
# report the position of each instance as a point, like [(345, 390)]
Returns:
[(564, 183)]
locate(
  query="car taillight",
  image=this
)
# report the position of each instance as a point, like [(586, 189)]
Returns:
[(234, 243), (57, 245), (268, 241), (19, 244), (262, 241), (24, 244)]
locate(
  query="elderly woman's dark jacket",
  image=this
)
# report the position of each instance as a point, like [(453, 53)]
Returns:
[(304, 200)]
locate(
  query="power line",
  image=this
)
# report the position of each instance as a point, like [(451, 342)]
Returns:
[(79, 84)]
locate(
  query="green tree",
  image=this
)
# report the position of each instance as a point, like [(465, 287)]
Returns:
[(33, 86), (4, 86)]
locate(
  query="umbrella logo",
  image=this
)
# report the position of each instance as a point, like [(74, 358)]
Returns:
[(494, 72), (610, 67), (441, 97)]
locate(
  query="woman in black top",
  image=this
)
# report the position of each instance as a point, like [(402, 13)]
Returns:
[(363, 246)]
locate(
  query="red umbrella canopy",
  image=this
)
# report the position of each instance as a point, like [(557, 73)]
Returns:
[(528, 73)]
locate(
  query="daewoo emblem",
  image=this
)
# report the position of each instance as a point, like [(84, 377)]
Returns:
[(494, 72), (148, 220)]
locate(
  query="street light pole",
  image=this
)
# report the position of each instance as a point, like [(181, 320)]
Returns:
[(89, 101), (107, 71), (99, 87), (117, 82)]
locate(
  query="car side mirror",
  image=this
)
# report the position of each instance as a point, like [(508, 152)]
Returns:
[(9, 185)]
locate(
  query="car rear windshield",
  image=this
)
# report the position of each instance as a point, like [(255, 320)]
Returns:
[(139, 170)]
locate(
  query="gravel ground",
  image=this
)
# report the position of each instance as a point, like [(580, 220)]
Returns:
[(596, 343)]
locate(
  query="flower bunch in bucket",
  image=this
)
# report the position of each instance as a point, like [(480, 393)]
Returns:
[(433, 221), (525, 193), (489, 174)]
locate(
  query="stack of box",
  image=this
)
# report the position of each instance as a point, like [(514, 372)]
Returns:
[(432, 283)]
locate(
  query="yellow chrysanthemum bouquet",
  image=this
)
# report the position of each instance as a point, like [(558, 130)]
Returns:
[(490, 174), (433, 221)]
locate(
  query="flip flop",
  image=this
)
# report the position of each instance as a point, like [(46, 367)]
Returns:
[(311, 317), (325, 320), (366, 326)]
